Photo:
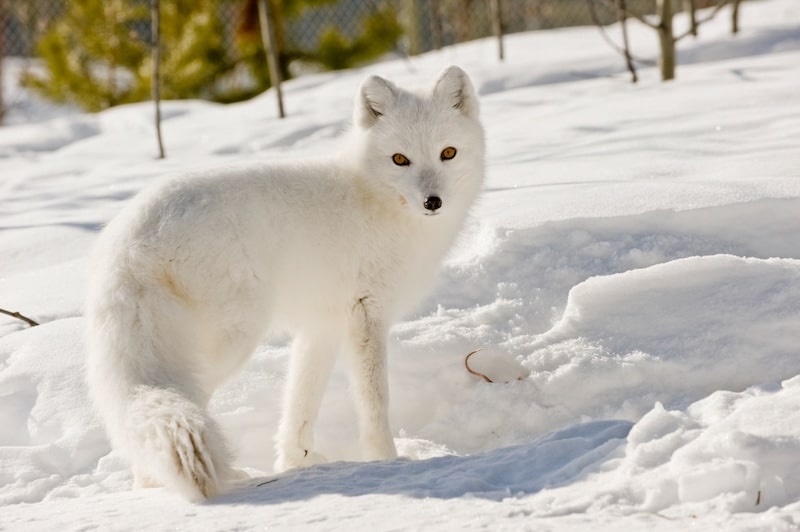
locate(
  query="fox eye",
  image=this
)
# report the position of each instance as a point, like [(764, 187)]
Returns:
[(400, 160), (448, 153)]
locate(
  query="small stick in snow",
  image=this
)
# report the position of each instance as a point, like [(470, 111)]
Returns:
[(19, 317), (466, 365), (478, 373)]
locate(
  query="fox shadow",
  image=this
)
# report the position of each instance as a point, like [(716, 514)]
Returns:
[(556, 459)]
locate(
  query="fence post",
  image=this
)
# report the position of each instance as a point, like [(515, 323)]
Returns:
[(497, 26), (268, 38)]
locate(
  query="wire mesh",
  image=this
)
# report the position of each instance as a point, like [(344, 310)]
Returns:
[(426, 24)]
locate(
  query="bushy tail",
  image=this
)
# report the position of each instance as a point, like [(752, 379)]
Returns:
[(173, 442), (140, 375)]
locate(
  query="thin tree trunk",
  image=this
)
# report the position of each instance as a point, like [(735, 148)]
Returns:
[(622, 16), (497, 26), (436, 25), (693, 16), (413, 30), (155, 49), (666, 40), (735, 16), (270, 48), (2, 55)]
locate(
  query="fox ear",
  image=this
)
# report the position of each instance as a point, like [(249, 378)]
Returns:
[(455, 87), (374, 99)]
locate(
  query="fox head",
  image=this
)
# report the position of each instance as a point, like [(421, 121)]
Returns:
[(424, 149)]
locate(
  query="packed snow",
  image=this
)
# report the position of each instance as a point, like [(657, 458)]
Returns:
[(631, 274)]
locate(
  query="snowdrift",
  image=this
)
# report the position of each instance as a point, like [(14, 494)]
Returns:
[(631, 273)]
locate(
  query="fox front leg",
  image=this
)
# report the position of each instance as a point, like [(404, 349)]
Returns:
[(309, 369), (369, 380)]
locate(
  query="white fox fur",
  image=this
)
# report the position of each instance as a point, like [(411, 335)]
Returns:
[(195, 271)]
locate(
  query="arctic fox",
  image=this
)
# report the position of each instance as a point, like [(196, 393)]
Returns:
[(195, 271)]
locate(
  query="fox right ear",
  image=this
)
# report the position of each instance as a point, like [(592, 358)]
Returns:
[(374, 99), (454, 87)]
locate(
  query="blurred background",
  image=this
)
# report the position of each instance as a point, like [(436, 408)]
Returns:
[(96, 53)]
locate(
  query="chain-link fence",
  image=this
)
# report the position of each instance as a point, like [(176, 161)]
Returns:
[(311, 34), (427, 24)]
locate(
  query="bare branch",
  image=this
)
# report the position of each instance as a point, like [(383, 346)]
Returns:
[(698, 22), (625, 52), (19, 317), (623, 19)]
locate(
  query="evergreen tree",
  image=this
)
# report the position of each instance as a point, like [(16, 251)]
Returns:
[(380, 33), (89, 53), (97, 53), (194, 57)]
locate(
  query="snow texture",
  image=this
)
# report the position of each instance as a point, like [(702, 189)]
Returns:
[(631, 272)]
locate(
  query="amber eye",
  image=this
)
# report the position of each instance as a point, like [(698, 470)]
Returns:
[(448, 153), (400, 160)]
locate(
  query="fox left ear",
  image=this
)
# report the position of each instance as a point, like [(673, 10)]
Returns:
[(455, 87), (374, 98)]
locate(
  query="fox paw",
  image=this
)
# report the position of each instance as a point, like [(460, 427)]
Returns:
[(297, 458)]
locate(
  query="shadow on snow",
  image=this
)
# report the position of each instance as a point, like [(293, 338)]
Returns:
[(555, 459)]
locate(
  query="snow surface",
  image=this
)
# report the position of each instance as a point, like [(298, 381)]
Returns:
[(635, 258)]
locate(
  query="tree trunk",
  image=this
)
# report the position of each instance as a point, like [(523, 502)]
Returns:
[(414, 31), (693, 17), (155, 85), (270, 48), (666, 40), (622, 17), (2, 55), (497, 26), (436, 26), (735, 16)]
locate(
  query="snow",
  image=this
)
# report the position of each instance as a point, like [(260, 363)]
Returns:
[(631, 273)]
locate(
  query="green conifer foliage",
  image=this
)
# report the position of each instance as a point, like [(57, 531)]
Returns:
[(96, 54), (88, 54), (380, 33), (194, 57)]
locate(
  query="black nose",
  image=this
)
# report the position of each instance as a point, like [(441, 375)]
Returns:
[(432, 203)]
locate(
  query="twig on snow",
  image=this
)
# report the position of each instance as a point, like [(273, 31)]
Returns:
[(478, 373), (19, 317), (466, 365)]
